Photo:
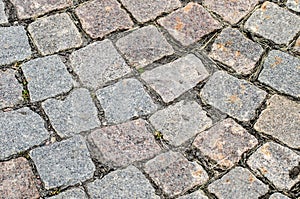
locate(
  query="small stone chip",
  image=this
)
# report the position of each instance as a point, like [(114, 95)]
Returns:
[(278, 196), (75, 193), (3, 17), (195, 195), (293, 5)]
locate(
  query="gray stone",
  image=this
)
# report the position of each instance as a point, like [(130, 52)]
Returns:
[(195, 195), (20, 130), (75, 193), (238, 183), (274, 23), (124, 100), (281, 71), (3, 17), (180, 122), (173, 79), (126, 184), (278, 196), (46, 77), (275, 162), (174, 174), (144, 46), (54, 33), (14, 44), (73, 115), (98, 63), (63, 163), (293, 5), (238, 98)]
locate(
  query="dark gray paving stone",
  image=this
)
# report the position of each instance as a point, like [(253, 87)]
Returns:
[(238, 183), (63, 163), (173, 79), (20, 130), (195, 195), (274, 23), (293, 5), (54, 33), (144, 46), (275, 162), (46, 77), (124, 100), (238, 98), (281, 71), (3, 17), (278, 196), (98, 63), (74, 193)]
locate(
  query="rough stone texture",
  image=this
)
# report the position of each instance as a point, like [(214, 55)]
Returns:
[(144, 46), (3, 17), (174, 174), (270, 21), (238, 98), (124, 100), (195, 195), (297, 45), (33, 8), (14, 44), (10, 89), (46, 77), (278, 196), (145, 10), (235, 50), (281, 71), (180, 122), (232, 11), (225, 142), (187, 25), (63, 163), (20, 130), (173, 79), (54, 33), (293, 5), (238, 183), (17, 180), (124, 144), (75, 193), (73, 115), (98, 63), (275, 162), (99, 18)]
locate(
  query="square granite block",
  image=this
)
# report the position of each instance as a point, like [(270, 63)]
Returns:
[(74, 193)]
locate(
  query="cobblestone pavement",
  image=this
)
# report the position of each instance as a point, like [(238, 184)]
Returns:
[(149, 99)]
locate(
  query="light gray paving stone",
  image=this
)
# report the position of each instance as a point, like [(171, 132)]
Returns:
[(3, 17), (63, 163), (14, 44), (238, 98), (126, 184), (275, 162), (123, 144), (278, 196), (274, 23), (174, 174), (73, 115), (281, 71), (180, 122), (75, 193), (54, 33), (238, 183), (20, 130), (233, 49), (98, 63), (46, 77), (124, 100), (195, 195), (144, 46), (10, 89), (293, 5)]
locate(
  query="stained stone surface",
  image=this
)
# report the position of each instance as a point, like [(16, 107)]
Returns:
[(236, 51), (195, 195), (124, 100), (180, 122), (144, 46), (124, 144), (17, 180), (3, 17), (275, 162), (270, 21), (98, 63), (281, 71), (46, 77), (189, 24), (293, 5), (73, 115), (99, 18), (238, 98), (225, 142), (174, 174), (63, 163), (75, 193), (54, 33), (238, 183), (20, 130), (278, 196)]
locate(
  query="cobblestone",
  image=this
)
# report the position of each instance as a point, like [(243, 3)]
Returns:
[(278, 196), (293, 5), (3, 17), (195, 195), (75, 193)]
